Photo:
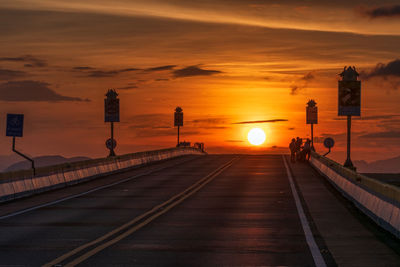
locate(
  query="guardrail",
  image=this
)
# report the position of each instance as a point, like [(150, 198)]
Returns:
[(19, 184), (379, 201)]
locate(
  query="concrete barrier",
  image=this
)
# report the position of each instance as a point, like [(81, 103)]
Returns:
[(380, 201), (19, 184)]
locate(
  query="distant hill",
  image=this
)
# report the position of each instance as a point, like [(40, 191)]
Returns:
[(42, 162), (391, 165), (7, 160)]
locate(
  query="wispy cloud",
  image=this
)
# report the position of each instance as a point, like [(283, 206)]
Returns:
[(234, 141), (129, 87), (99, 73), (29, 60), (392, 68), (301, 83), (383, 12), (384, 135), (83, 68), (161, 68), (261, 121), (32, 91), (6, 74), (194, 71)]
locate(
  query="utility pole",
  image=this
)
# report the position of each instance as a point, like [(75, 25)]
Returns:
[(349, 104), (111, 114), (178, 120)]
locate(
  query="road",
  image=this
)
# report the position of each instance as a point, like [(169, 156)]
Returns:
[(229, 210)]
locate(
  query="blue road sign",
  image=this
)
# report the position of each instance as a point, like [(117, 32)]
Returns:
[(329, 142), (15, 125)]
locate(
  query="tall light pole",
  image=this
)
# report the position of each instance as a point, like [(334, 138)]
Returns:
[(349, 103), (312, 118), (111, 114), (178, 120)]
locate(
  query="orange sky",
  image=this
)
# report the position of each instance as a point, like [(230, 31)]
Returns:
[(222, 61)]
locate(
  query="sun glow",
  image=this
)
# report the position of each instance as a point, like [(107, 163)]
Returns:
[(256, 136)]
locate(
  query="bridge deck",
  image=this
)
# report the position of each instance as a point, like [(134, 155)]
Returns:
[(240, 212)]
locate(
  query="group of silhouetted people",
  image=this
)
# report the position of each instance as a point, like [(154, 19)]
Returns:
[(300, 151)]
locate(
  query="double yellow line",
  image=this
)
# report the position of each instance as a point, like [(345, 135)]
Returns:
[(137, 223)]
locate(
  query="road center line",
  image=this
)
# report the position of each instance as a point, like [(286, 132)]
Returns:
[(316, 253), (153, 213)]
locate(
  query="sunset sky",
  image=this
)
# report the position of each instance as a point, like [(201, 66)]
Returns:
[(224, 62)]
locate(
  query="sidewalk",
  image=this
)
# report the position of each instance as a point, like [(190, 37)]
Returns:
[(345, 232)]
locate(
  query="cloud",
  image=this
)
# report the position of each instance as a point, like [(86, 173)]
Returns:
[(11, 74), (128, 87), (387, 134), (194, 71), (151, 121), (161, 68), (32, 91), (161, 80), (383, 12), (383, 70), (308, 77), (97, 73), (109, 73), (234, 141), (262, 121), (301, 83), (83, 68), (30, 61), (209, 121)]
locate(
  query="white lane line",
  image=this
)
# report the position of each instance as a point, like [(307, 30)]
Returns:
[(81, 194), (316, 253)]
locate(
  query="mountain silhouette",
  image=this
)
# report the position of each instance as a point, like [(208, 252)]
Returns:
[(42, 162), (391, 165)]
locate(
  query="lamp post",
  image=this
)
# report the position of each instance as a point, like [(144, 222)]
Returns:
[(178, 120), (312, 118), (349, 104)]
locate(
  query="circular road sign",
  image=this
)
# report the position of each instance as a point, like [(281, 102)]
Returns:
[(111, 144), (329, 142)]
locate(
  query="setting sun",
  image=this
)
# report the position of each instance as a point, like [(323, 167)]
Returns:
[(256, 136)]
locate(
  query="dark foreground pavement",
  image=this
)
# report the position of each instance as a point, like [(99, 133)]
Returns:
[(236, 211)]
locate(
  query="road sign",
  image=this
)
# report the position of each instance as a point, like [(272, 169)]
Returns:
[(178, 119), (15, 125), (349, 101), (111, 144), (312, 115), (111, 110), (329, 142)]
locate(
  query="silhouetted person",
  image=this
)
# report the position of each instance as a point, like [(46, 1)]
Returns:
[(299, 143), (307, 149), (292, 147)]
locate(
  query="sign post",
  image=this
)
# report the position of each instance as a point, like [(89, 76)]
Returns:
[(312, 118), (178, 120), (15, 127), (349, 103), (111, 114), (328, 143)]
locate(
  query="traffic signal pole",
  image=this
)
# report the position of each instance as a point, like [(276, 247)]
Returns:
[(178, 136), (112, 153)]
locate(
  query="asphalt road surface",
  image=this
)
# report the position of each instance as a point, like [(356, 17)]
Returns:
[(215, 210)]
